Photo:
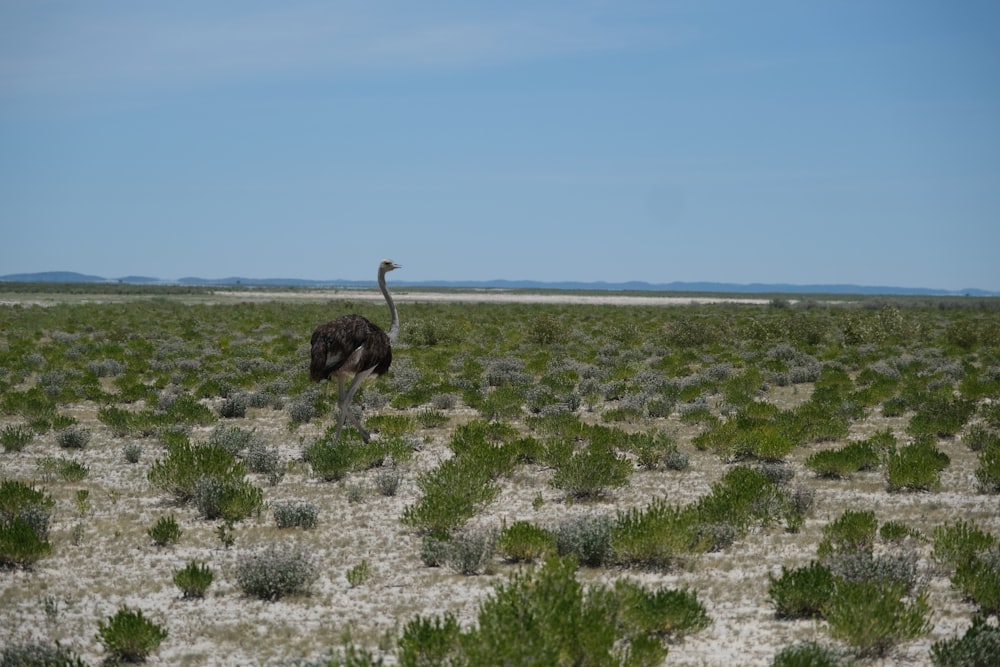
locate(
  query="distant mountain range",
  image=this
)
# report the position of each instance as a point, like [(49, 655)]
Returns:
[(636, 286)]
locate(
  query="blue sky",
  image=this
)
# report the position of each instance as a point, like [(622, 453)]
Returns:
[(813, 142)]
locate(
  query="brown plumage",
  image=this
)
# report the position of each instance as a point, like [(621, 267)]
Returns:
[(352, 346)]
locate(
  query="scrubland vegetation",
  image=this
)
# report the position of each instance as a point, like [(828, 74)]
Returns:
[(784, 484)]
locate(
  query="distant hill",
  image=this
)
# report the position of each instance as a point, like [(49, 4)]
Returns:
[(52, 277), (752, 288)]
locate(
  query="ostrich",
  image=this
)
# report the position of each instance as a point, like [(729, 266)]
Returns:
[(352, 345)]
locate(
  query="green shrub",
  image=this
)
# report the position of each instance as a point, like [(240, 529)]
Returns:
[(916, 467), (68, 470), (15, 437), (452, 493), (941, 416), (801, 592), (24, 524), (194, 579), (545, 617), (129, 636), (523, 541), (807, 654), (853, 531), (20, 544), (665, 613), (330, 462), (429, 642), (979, 437), (591, 472), (841, 463), (988, 471), (276, 572), (744, 497), (873, 616), (165, 531), (227, 498), (897, 531), (123, 422), (978, 578), (978, 647), (359, 574), (661, 535), (957, 543), (178, 474)]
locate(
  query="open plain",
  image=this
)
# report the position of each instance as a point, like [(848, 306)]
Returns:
[(636, 364)]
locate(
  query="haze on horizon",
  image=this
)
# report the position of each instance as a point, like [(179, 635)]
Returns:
[(773, 142)]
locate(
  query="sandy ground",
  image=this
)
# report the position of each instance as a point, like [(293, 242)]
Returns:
[(102, 557)]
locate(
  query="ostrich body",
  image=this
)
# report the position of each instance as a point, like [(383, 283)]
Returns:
[(352, 346)]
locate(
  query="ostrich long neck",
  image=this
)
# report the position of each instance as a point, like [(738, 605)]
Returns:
[(394, 325)]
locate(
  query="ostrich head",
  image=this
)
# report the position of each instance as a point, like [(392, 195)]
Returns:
[(388, 265)]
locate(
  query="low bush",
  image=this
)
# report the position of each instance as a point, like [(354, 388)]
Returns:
[(234, 407), (587, 538), (470, 551), (666, 613), (39, 654), (73, 438), (20, 545), (15, 437), (227, 498), (941, 416), (916, 467), (893, 567), (978, 647), (387, 481), (129, 636), (661, 535), (194, 579), (452, 493), (801, 592), (591, 472), (545, 617), (897, 531), (807, 654), (955, 544), (233, 439), (275, 572), (873, 617), (165, 531), (428, 642), (979, 437), (979, 580), (132, 452), (853, 531), (523, 541), (988, 471), (359, 574), (295, 514), (185, 465), (24, 524), (841, 463), (265, 460)]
